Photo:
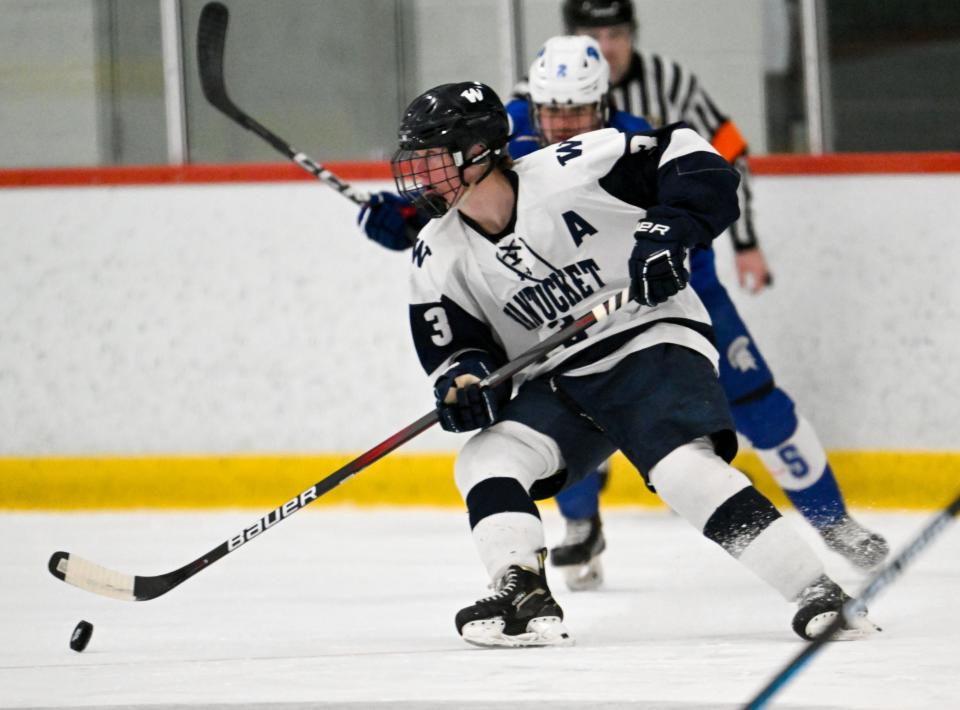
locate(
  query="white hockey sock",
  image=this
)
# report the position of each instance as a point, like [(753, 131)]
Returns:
[(708, 492), (506, 539), (781, 558), (694, 481)]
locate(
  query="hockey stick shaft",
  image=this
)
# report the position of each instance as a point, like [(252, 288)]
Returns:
[(211, 42), (880, 581), (100, 580)]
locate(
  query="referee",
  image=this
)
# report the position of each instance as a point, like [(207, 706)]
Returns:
[(663, 92)]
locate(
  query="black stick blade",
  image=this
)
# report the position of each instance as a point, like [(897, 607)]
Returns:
[(57, 565), (211, 41)]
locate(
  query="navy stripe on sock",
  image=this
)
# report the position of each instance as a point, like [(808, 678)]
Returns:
[(498, 495), (739, 520), (754, 395)]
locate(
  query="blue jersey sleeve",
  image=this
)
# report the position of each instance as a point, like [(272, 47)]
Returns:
[(523, 140), (628, 123)]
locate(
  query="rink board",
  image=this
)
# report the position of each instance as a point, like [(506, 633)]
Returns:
[(201, 309), (881, 480)]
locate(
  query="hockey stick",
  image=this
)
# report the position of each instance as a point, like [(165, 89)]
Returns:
[(100, 580), (211, 40), (879, 581)]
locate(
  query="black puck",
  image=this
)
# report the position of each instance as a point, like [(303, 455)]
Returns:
[(81, 636)]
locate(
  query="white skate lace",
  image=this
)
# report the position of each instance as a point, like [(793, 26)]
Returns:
[(503, 587)]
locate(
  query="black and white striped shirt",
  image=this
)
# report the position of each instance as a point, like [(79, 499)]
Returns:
[(663, 92)]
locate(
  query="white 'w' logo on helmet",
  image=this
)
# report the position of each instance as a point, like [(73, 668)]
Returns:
[(473, 94)]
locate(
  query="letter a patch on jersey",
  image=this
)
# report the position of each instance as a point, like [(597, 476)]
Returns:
[(578, 226)]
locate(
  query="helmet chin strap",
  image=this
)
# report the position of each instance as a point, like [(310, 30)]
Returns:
[(486, 155), (468, 188), (462, 165)]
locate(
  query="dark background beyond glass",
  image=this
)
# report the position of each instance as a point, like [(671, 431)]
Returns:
[(894, 74)]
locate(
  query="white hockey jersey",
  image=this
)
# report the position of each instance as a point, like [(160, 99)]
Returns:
[(566, 250)]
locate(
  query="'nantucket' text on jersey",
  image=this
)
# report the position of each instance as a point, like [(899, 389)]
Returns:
[(566, 250)]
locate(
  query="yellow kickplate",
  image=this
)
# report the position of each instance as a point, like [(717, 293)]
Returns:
[(881, 479)]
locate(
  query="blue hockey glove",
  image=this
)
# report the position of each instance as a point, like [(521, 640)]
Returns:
[(391, 221), (462, 403), (657, 271)]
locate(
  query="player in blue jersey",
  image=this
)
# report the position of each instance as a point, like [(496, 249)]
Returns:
[(764, 414), (568, 95)]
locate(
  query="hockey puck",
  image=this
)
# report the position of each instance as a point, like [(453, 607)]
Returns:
[(81, 636)]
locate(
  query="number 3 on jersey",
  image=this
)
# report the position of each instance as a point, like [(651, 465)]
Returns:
[(437, 318)]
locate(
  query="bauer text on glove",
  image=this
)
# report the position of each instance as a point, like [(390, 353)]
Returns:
[(657, 271)]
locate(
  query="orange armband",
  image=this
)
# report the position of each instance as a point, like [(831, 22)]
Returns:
[(728, 141)]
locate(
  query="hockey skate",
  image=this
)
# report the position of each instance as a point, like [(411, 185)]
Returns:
[(578, 556), (522, 612), (819, 605), (861, 547)]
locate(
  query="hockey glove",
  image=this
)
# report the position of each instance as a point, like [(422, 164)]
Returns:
[(657, 271), (391, 221), (462, 403)]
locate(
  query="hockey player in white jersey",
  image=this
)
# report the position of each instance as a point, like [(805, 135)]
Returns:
[(516, 252), (568, 94)]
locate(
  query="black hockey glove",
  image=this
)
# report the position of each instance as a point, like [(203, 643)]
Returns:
[(657, 271), (462, 403), (391, 221)]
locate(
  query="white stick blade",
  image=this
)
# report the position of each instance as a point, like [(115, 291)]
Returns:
[(94, 578)]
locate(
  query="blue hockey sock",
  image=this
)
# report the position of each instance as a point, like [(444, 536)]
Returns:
[(799, 465), (821, 503), (581, 500)]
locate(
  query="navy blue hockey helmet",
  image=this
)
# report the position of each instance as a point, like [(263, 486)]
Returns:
[(439, 130), (597, 13)]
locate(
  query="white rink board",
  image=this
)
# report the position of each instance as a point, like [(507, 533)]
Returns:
[(862, 326), (257, 319), (322, 613)]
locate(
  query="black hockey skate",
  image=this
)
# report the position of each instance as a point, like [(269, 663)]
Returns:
[(861, 547), (819, 605), (522, 612), (578, 555)]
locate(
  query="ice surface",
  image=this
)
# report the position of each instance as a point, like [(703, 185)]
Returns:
[(354, 608)]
